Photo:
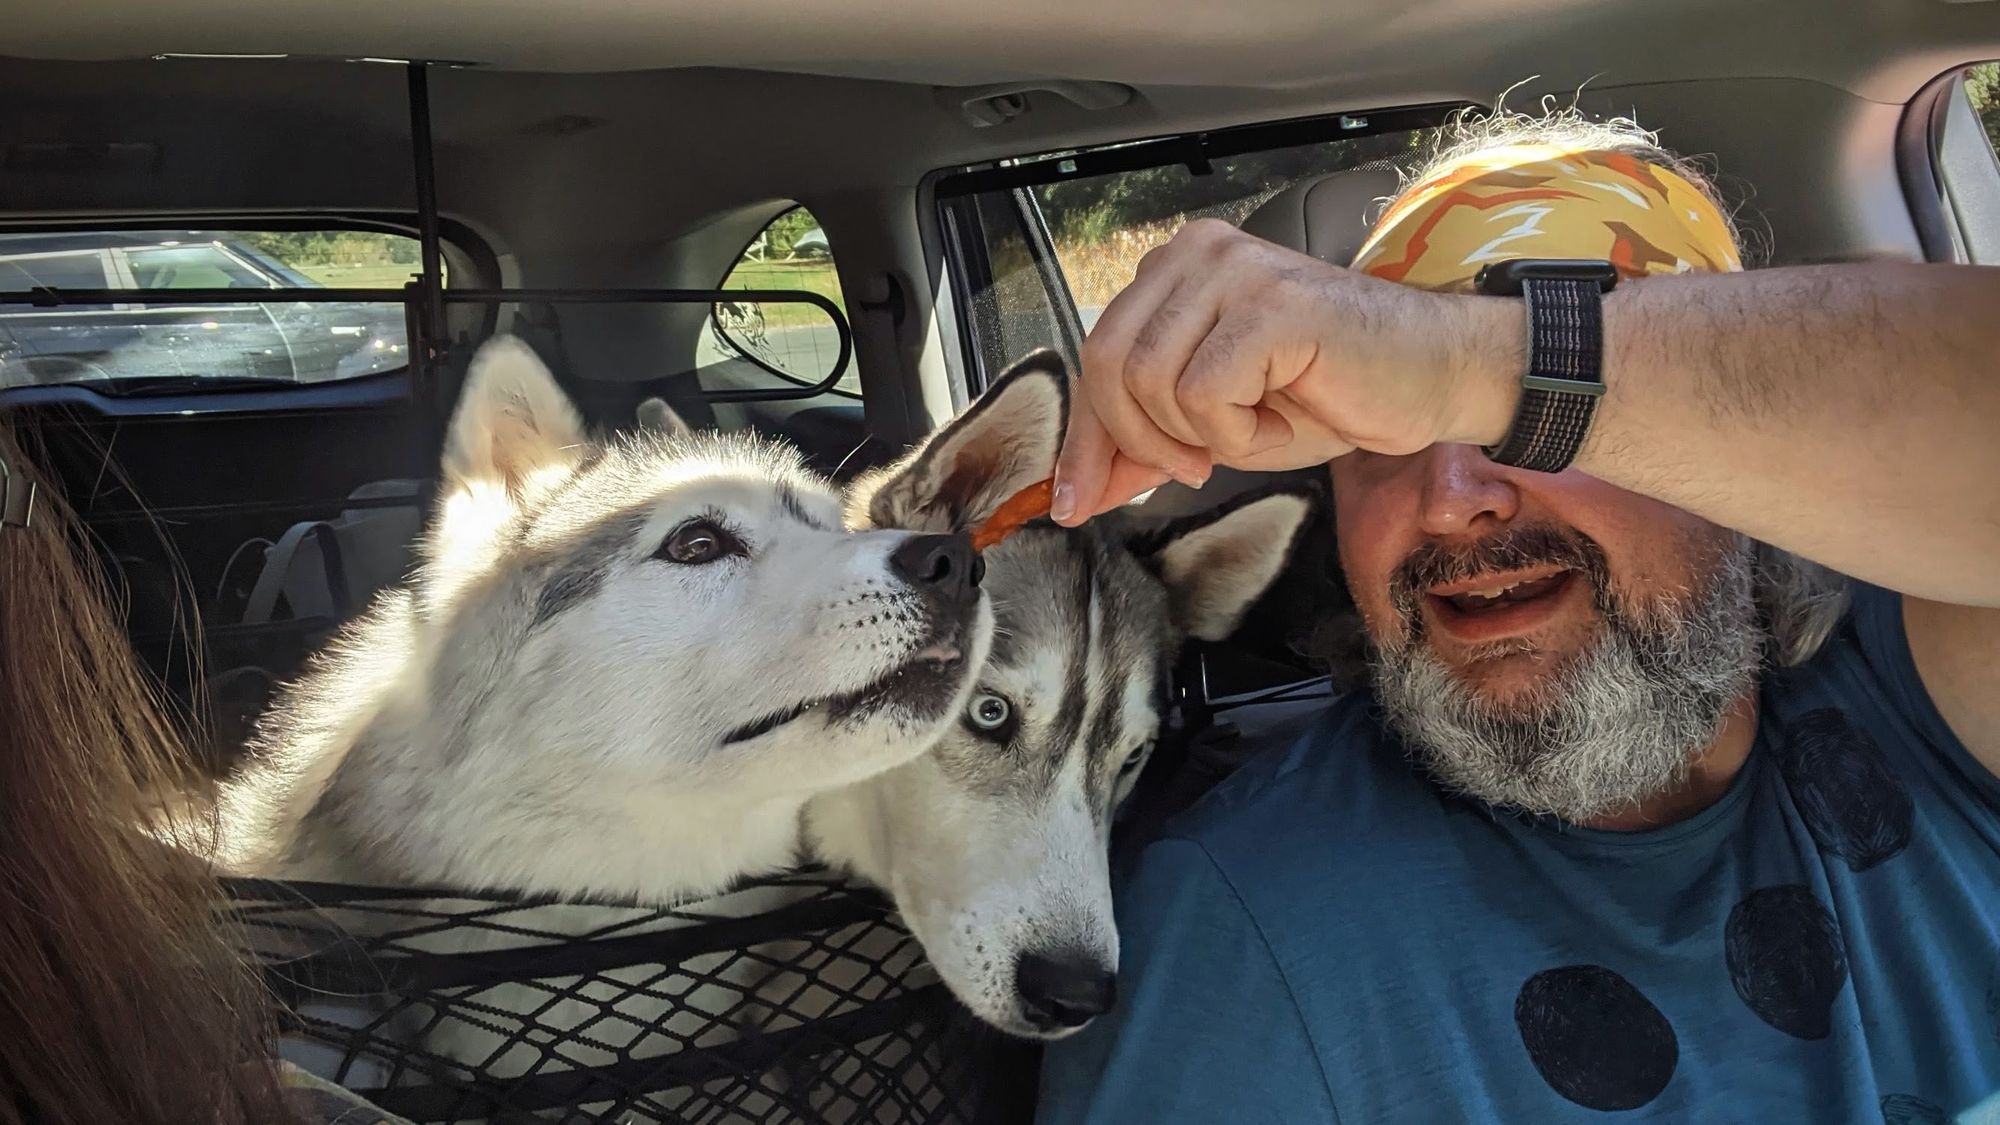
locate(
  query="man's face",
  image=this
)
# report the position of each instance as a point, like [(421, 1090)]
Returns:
[(1545, 641), (1423, 537)]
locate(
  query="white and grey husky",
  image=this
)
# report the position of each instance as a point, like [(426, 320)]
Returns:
[(622, 669), (648, 667)]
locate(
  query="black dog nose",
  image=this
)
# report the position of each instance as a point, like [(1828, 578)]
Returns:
[(1060, 993), (943, 564)]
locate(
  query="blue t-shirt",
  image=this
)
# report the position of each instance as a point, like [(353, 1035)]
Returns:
[(1327, 936)]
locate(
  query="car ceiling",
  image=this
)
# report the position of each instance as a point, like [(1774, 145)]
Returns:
[(606, 123), (642, 142), (1267, 43)]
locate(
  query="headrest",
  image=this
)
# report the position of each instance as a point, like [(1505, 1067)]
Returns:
[(1328, 217)]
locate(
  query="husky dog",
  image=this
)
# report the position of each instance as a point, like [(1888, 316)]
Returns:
[(994, 846), (623, 669)]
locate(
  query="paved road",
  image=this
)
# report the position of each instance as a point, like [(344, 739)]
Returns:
[(806, 352)]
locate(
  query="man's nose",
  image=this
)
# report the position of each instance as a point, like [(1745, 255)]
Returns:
[(1463, 492)]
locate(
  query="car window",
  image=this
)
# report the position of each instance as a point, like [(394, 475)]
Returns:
[(1034, 255), (126, 348), (794, 340), (1982, 88), (194, 267), (1957, 197), (1103, 225), (76, 269)]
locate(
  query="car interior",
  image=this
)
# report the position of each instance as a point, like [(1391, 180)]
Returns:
[(911, 196)]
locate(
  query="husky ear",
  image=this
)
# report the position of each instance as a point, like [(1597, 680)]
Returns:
[(657, 416), (1217, 564), (1005, 442), (512, 421)]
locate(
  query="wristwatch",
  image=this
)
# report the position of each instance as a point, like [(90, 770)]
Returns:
[(1565, 375)]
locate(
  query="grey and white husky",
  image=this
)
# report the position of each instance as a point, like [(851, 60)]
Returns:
[(622, 669), (644, 668), (994, 846)]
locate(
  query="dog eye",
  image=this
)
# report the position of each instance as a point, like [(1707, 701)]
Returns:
[(989, 712), (1136, 759), (697, 542)]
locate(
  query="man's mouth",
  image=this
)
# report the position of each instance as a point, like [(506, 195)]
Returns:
[(931, 673), (1494, 606), (1492, 593)]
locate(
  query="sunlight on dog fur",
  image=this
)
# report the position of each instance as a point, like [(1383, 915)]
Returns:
[(541, 709)]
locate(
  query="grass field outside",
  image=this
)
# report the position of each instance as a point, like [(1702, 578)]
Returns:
[(376, 276), (813, 276), (1097, 269)]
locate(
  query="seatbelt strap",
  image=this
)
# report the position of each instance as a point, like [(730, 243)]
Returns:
[(878, 311), (263, 600)]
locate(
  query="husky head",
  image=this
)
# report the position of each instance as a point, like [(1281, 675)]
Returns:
[(624, 666), (995, 845), (698, 592)]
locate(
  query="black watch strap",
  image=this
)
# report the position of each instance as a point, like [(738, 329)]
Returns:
[(1565, 376)]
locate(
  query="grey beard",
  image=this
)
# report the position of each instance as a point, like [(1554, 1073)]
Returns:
[(1617, 723)]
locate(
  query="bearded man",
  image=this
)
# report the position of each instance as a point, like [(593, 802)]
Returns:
[(1643, 812)]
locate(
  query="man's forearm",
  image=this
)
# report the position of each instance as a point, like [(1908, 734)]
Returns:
[(1848, 413)]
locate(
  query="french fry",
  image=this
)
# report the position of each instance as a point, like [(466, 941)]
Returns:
[(1028, 504)]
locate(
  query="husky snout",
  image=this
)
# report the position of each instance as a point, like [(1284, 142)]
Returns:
[(943, 568), (1063, 990)]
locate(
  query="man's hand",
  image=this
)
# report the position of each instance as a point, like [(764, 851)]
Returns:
[(1226, 349)]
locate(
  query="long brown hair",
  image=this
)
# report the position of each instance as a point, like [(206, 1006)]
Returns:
[(121, 999)]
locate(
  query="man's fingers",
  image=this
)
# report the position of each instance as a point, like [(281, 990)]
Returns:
[(1139, 438), (1112, 337), (1158, 353), (1134, 364), (1128, 479), (1105, 356), (1092, 477), (1102, 380), (1084, 466), (1311, 441), (1221, 400)]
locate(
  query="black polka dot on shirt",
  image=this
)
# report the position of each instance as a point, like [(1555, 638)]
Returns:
[(1908, 1109), (1785, 958), (1993, 1006), (1594, 1038), (1853, 804)]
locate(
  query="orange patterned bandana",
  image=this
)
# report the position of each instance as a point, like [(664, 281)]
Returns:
[(1539, 201)]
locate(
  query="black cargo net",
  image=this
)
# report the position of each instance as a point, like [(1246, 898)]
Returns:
[(794, 999)]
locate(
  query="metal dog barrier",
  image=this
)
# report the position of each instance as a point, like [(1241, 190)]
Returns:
[(791, 999), (425, 298)]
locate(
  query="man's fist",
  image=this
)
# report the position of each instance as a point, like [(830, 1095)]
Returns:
[(1226, 349)]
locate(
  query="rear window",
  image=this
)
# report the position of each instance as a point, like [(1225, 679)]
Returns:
[(126, 347)]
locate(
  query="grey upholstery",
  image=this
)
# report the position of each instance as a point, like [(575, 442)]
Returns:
[(1327, 217)]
